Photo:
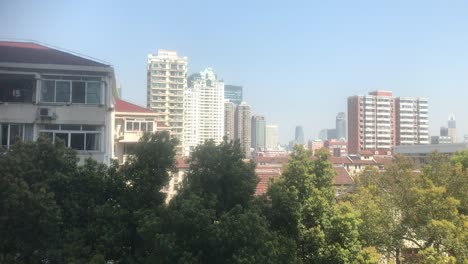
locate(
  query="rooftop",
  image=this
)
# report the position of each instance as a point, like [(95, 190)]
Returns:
[(124, 106), (33, 53)]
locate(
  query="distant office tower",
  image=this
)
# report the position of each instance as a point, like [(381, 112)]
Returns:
[(444, 132), (166, 83), (299, 135), (378, 121), (204, 109), (243, 132), (233, 93), (341, 125), (271, 137), (452, 128), (229, 120), (258, 132), (412, 123), (327, 134)]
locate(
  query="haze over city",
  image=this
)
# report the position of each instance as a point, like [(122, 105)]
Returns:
[(297, 62)]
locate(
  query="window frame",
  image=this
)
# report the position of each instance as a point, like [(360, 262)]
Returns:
[(70, 99), (23, 133), (139, 122), (98, 131)]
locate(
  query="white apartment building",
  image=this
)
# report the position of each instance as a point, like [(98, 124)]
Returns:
[(271, 137), (204, 110), (45, 91), (131, 122), (412, 121), (166, 84)]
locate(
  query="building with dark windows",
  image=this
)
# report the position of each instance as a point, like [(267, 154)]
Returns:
[(49, 92), (258, 132), (341, 126), (299, 135), (233, 93)]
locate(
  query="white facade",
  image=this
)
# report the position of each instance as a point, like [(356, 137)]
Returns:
[(58, 98), (167, 81), (271, 137), (377, 129), (130, 126), (204, 110), (412, 121)]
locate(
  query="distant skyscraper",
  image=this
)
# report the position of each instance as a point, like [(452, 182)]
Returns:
[(271, 137), (258, 132), (204, 110), (166, 83), (229, 120), (341, 125), (444, 132), (379, 121), (243, 132), (233, 93), (452, 128), (299, 135), (327, 134)]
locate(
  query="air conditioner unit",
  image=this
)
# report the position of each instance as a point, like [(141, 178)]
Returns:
[(46, 113)]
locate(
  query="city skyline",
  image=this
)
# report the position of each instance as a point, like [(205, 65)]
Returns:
[(336, 49)]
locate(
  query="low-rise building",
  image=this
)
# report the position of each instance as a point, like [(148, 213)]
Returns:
[(420, 154), (131, 122), (57, 94)]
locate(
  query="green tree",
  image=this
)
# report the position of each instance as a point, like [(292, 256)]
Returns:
[(303, 207)]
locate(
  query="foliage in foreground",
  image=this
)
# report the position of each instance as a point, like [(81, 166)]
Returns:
[(53, 210)]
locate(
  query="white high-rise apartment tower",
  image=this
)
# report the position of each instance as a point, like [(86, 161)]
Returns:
[(271, 137), (204, 110), (412, 121), (166, 83)]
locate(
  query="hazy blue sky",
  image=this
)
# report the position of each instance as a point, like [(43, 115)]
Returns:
[(297, 61)]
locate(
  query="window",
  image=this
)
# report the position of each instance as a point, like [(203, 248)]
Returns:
[(12, 133), (79, 137), (66, 91), (16, 88), (132, 125)]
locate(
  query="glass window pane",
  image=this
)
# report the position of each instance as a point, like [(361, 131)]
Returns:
[(48, 135), (4, 134), (93, 95), (136, 126), (129, 126), (16, 133), (150, 126), (77, 141), (78, 92), (62, 137), (28, 133), (92, 141), (48, 91), (62, 92), (70, 127), (90, 128), (143, 126), (51, 127)]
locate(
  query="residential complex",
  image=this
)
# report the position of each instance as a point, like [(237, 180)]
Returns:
[(49, 92), (204, 110), (379, 121), (233, 93), (242, 127), (166, 84)]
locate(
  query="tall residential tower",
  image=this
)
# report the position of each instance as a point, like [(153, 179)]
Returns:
[(166, 84), (258, 132), (243, 132)]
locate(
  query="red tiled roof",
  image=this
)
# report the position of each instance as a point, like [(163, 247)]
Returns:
[(263, 181), (181, 163), (28, 52), (383, 161), (272, 160), (124, 106), (340, 160), (342, 177)]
